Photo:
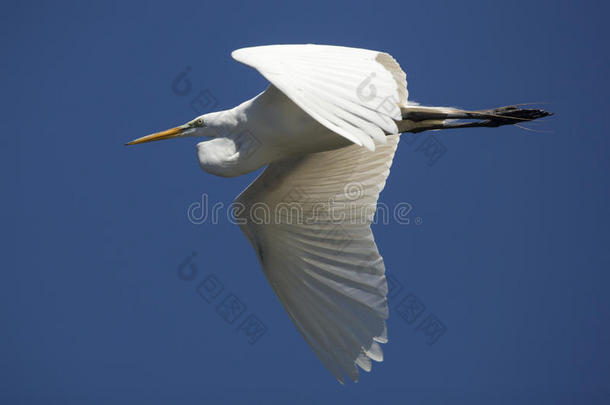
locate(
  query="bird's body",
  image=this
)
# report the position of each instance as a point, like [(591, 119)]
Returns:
[(270, 119), (326, 128)]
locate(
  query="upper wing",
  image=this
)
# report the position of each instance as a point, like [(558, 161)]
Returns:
[(309, 221), (356, 93)]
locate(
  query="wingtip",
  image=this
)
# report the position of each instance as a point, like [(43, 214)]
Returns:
[(375, 352), (240, 54), (235, 53)]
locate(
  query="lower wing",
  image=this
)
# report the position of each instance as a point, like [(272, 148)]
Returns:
[(309, 221)]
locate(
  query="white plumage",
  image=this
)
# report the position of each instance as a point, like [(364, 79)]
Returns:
[(327, 127), (355, 93), (324, 265)]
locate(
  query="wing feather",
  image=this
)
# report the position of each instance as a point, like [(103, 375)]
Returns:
[(356, 93), (323, 264)]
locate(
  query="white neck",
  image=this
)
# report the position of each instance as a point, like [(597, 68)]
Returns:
[(232, 151)]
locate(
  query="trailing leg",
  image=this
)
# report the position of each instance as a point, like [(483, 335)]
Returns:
[(419, 118)]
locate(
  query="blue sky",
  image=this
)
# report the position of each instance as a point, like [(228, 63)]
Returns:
[(510, 251)]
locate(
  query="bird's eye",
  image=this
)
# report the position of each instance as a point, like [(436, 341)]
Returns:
[(199, 122)]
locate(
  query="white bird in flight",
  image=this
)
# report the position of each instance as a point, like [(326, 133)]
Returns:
[(326, 128)]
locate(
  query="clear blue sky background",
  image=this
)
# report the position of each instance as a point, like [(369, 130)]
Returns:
[(511, 254)]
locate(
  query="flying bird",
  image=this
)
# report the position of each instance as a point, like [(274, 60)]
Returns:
[(326, 127)]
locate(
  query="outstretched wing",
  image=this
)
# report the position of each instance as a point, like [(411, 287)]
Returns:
[(309, 221), (356, 93)]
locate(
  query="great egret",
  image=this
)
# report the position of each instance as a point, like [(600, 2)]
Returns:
[(327, 128)]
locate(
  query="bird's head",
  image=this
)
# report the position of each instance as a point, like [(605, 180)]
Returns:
[(195, 127), (219, 155)]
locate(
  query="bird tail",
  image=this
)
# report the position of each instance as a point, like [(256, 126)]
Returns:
[(416, 118)]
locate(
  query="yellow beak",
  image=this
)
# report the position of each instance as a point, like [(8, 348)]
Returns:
[(170, 133)]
